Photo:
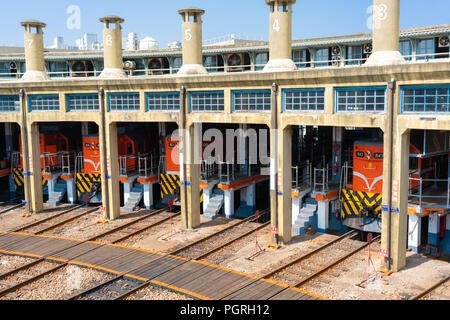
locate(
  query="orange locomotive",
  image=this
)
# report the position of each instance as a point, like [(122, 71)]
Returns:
[(50, 145), (89, 163)]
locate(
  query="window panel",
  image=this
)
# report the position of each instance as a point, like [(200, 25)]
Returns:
[(43, 102), (360, 99), (83, 102), (426, 99)]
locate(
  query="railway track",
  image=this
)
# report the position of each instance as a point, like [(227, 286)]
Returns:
[(134, 227), (431, 289), (56, 220), (121, 287), (31, 272), (309, 266), (10, 205)]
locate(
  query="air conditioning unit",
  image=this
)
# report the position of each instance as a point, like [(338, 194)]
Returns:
[(129, 65), (155, 66), (367, 48), (335, 60), (235, 62), (78, 68), (444, 42), (336, 51)]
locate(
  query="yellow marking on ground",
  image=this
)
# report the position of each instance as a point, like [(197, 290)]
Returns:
[(310, 294), (21, 254), (180, 290)]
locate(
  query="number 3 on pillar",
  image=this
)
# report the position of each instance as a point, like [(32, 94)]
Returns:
[(276, 25)]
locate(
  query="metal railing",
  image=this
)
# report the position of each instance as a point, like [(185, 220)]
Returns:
[(416, 190), (208, 168), (15, 160), (302, 175), (127, 165), (226, 172), (321, 179), (147, 165), (63, 161)]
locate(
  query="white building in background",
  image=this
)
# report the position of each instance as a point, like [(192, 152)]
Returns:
[(148, 44), (132, 41), (174, 45), (89, 42), (58, 43)]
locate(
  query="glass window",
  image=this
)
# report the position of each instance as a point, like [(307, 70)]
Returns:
[(261, 60), (406, 49), (426, 99), (252, 100), (360, 99), (9, 103), (355, 54), (426, 48), (304, 99), (322, 55), (176, 64), (43, 102), (300, 58), (124, 102), (83, 102), (207, 101), (167, 101)]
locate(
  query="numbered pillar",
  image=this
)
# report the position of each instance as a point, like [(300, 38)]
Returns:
[(397, 231), (414, 232), (190, 199), (34, 51), (285, 184), (386, 32), (192, 41), (112, 47), (112, 172), (34, 165), (280, 42)]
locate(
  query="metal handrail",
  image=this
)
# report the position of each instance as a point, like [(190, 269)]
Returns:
[(322, 173), (302, 175), (420, 188), (146, 165), (125, 166)]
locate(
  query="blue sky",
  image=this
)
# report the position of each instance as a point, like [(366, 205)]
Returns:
[(160, 20)]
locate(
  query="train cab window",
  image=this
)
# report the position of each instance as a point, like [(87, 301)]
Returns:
[(129, 148)]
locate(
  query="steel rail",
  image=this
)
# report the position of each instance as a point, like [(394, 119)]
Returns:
[(430, 289), (301, 258), (33, 224), (126, 225)]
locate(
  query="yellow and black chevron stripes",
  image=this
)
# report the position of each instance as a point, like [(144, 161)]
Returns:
[(84, 182), (353, 202), (170, 185), (18, 178)]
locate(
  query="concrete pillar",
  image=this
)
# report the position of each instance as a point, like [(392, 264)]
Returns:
[(400, 171), (112, 171), (386, 33), (323, 215), (250, 195), (34, 151), (433, 229), (192, 41), (206, 196), (70, 190), (51, 185), (285, 184), (296, 207), (414, 231), (112, 47), (192, 179), (280, 42), (148, 195), (229, 203), (34, 51)]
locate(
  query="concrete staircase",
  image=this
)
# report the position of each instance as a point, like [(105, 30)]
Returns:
[(135, 198), (56, 196), (306, 218), (215, 204)]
